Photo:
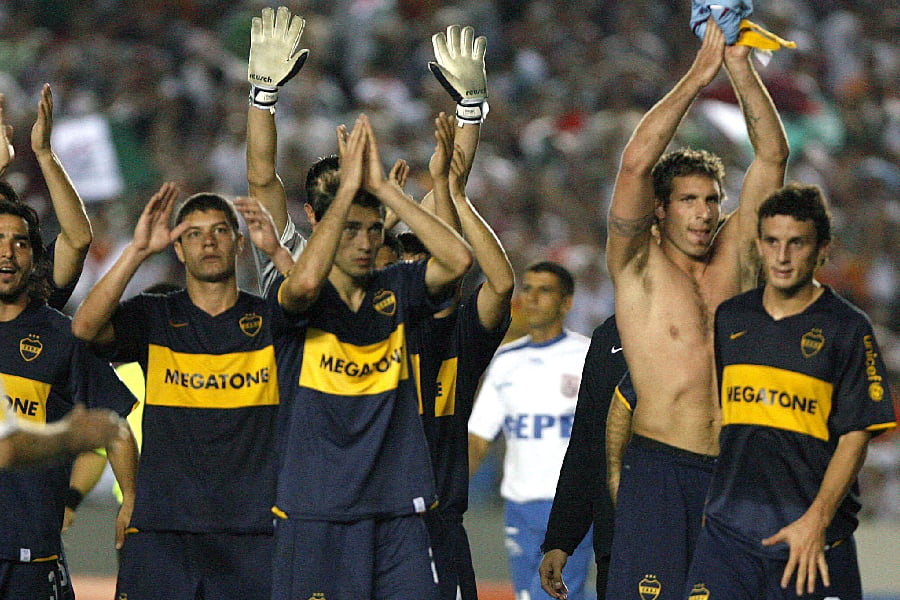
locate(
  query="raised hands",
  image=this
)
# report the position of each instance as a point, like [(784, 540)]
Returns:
[(459, 67), (7, 152), (260, 225), (710, 55), (152, 233), (43, 123), (274, 57), (444, 134)]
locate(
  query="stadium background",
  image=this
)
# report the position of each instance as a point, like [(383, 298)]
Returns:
[(154, 90)]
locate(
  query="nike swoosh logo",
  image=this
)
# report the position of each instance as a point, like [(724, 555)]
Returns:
[(174, 324), (735, 336), (613, 350)]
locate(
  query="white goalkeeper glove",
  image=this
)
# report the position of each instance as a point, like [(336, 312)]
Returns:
[(274, 57), (459, 67)]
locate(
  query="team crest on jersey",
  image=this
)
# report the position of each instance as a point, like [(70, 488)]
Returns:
[(811, 342), (385, 302), (569, 385), (122, 596), (318, 596), (649, 587), (699, 592), (30, 347), (251, 323)]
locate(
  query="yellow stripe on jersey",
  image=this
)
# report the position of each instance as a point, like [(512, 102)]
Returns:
[(27, 398), (762, 395), (235, 380), (445, 399), (343, 369), (617, 393), (416, 361)]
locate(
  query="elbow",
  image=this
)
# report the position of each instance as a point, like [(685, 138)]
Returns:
[(635, 164), (463, 262), (82, 330), (260, 175), (505, 285)]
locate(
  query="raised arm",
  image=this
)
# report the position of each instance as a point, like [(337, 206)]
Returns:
[(770, 154), (7, 151), (93, 320), (75, 233), (451, 256), (495, 295), (304, 281), (274, 59), (631, 211)]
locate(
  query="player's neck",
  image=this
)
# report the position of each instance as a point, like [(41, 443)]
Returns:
[(351, 290), (12, 308), (540, 335), (693, 266), (781, 304), (213, 297)]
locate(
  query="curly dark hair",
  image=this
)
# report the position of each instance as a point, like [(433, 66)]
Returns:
[(685, 161)]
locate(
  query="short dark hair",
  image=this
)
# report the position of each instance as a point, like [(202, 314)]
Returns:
[(681, 162), (412, 244), (205, 201), (566, 281), (39, 280), (803, 202), (322, 182)]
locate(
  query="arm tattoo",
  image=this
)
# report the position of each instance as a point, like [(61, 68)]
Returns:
[(631, 227)]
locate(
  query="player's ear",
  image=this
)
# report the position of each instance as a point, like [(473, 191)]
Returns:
[(310, 214), (659, 209), (179, 251)]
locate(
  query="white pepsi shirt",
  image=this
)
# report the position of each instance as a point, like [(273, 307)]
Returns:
[(529, 392)]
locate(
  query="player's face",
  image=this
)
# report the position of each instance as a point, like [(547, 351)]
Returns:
[(16, 257), (361, 238), (209, 246), (690, 218), (789, 252), (543, 301)]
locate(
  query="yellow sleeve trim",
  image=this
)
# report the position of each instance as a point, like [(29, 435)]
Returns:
[(618, 395), (279, 513)]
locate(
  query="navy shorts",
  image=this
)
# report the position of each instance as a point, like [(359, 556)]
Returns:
[(47, 580), (386, 559), (658, 514), (163, 565), (452, 556), (725, 567)]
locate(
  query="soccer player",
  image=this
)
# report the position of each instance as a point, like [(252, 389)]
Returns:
[(803, 390), (67, 252), (46, 374), (582, 498), (202, 523), (354, 469), (529, 392), (666, 292)]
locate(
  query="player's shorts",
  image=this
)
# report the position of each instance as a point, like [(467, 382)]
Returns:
[(658, 514), (163, 565), (47, 580), (452, 556), (386, 559), (725, 568)]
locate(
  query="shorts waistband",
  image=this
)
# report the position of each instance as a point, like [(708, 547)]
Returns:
[(645, 443)]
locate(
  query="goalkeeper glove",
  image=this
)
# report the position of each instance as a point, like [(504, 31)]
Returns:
[(274, 58), (459, 67)]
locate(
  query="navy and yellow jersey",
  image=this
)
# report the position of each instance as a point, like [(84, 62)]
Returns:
[(625, 393), (211, 404), (789, 390), (45, 371), (352, 443), (449, 355)]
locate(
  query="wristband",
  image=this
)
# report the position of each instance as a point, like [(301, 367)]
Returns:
[(72, 498), (472, 114), (263, 98)]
